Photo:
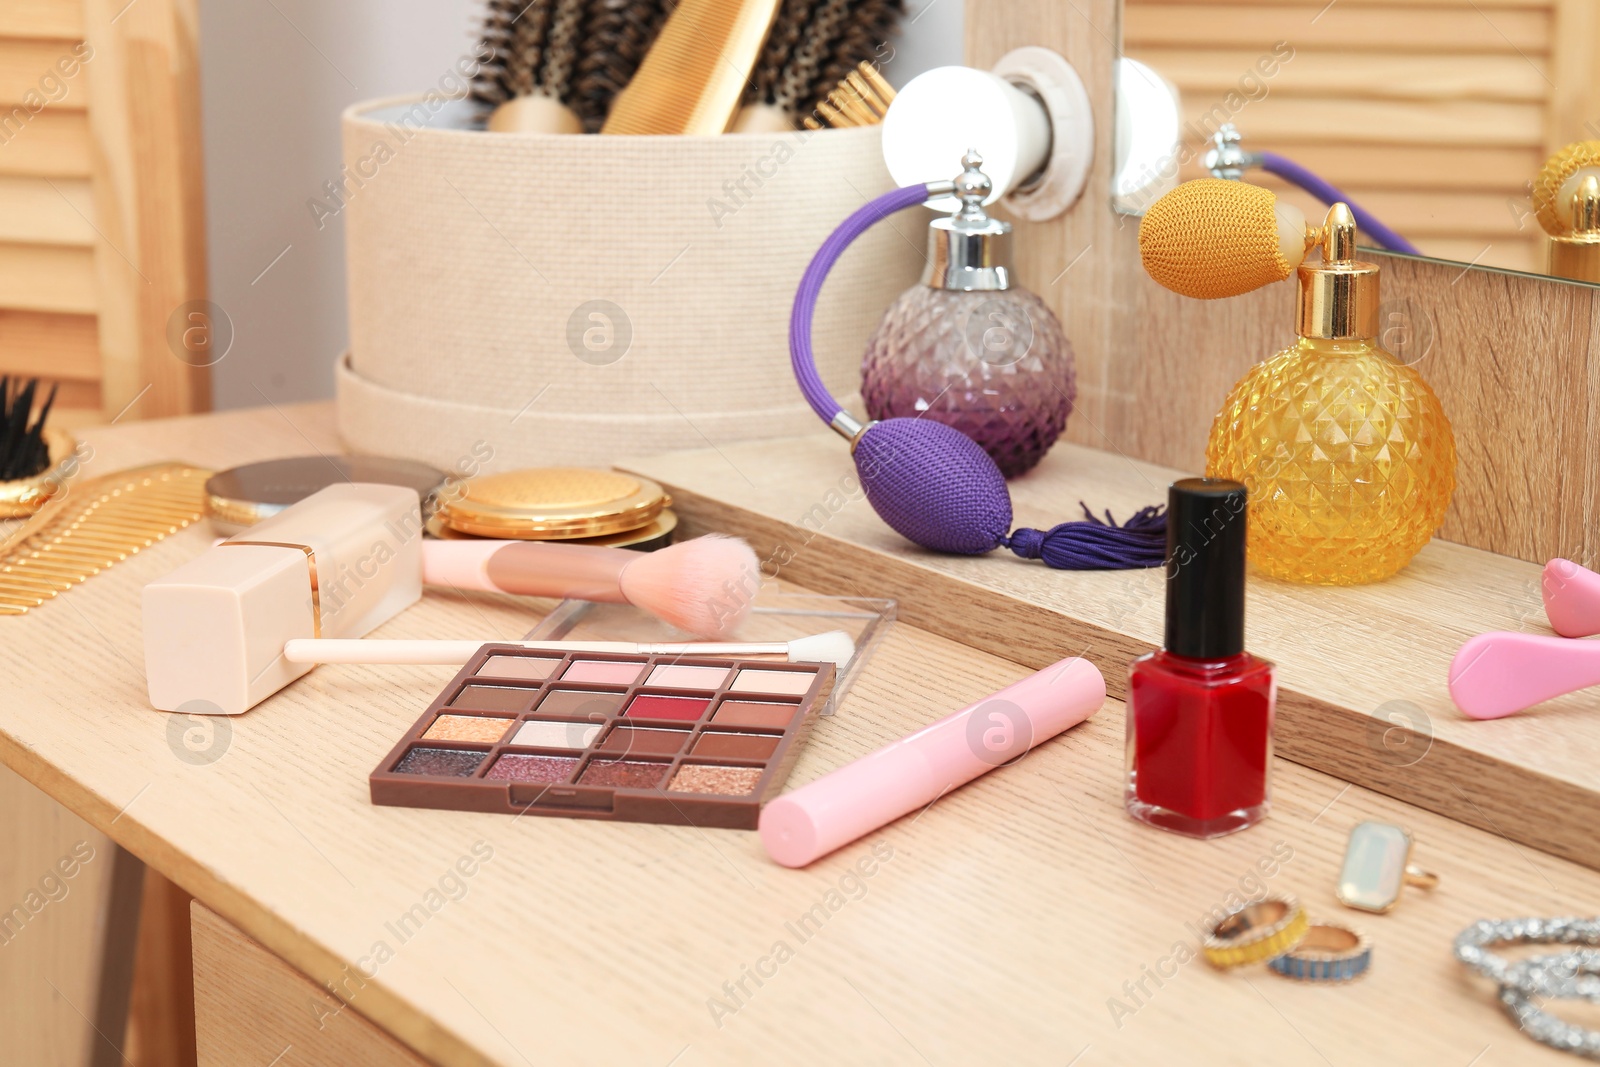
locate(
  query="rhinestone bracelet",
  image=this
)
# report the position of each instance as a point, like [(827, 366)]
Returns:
[(1472, 948), (1566, 974)]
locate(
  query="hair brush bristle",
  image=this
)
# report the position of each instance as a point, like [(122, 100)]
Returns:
[(814, 45), (516, 38), (616, 35), (704, 586)]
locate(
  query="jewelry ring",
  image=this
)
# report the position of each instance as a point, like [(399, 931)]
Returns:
[(1330, 952), (1256, 932), (1472, 944), (1377, 866)]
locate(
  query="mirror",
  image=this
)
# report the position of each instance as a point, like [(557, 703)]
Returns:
[(1435, 118)]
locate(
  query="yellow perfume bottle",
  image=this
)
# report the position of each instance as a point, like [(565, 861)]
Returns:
[(1346, 451)]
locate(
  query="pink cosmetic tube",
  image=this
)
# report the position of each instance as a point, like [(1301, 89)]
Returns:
[(911, 773)]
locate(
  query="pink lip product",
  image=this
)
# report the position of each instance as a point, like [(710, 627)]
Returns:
[(1500, 674), (911, 773), (1571, 598), (690, 741)]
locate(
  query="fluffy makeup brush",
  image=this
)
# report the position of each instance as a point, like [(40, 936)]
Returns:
[(814, 45), (616, 36), (532, 48), (23, 452)]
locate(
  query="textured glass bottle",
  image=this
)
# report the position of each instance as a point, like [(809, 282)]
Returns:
[(1346, 451), (969, 348)]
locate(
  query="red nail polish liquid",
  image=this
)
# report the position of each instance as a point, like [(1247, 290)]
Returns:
[(1200, 710)]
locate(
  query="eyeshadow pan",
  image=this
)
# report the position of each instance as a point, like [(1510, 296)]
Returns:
[(644, 742), (468, 728), (785, 683), (513, 767), (493, 698), (680, 676), (735, 746), (541, 734), (576, 704), (724, 781), (745, 713), (531, 668), (441, 762), (603, 672), (650, 706), (623, 773)]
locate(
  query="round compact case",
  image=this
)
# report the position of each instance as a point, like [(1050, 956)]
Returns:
[(572, 299), (571, 504)]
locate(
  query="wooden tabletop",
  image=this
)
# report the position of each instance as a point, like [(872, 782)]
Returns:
[(1019, 919)]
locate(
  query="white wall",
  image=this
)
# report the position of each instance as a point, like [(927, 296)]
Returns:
[(274, 76)]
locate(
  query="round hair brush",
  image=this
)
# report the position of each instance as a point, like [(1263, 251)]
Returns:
[(814, 45), (1212, 238), (930, 482), (1556, 187), (527, 76)]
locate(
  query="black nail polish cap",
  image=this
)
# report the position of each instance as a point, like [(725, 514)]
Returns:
[(1206, 523)]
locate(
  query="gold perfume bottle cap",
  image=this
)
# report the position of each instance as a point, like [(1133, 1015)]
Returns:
[(1339, 296), (1576, 255)]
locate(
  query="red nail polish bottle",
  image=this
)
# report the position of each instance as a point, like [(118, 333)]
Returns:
[(1200, 710)]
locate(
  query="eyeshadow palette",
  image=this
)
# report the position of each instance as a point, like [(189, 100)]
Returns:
[(693, 741)]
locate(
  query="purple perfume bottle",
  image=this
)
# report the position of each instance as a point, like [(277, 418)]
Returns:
[(970, 348)]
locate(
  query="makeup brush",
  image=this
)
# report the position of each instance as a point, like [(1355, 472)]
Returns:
[(703, 586), (1571, 598), (23, 452), (532, 52), (693, 77), (1500, 674), (833, 647), (813, 47)]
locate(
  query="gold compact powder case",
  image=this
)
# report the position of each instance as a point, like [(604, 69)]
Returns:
[(553, 504), (239, 498), (657, 534)]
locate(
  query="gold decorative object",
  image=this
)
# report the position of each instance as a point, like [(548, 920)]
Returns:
[(24, 496), (552, 503)]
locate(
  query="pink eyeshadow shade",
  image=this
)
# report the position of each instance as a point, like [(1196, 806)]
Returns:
[(650, 706), (528, 668), (603, 672), (676, 676), (784, 683), (746, 713), (516, 768)]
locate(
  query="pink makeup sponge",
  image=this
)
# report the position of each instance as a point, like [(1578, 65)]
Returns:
[(1571, 598), (704, 586)]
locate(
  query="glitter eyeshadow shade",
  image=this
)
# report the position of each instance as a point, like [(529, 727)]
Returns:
[(439, 762), (514, 767), (723, 781), (468, 728), (697, 741)]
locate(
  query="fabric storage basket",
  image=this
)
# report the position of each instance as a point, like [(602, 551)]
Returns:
[(571, 299)]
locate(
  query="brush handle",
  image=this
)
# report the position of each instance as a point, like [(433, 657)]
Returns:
[(334, 650), (1500, 674), (529, 568), (1571, 598)]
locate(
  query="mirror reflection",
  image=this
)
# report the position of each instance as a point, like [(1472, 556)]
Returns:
[(1466, 130)]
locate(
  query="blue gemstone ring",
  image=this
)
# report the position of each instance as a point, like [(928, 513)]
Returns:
[(1330, 952)]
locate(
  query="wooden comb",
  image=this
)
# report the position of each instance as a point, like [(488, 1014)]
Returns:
[(861, 99), (92, 525), (693, 77)]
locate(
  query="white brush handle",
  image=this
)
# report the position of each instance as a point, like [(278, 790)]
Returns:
[(368, 650)]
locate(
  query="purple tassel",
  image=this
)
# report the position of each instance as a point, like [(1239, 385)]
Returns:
[(1094, 545)]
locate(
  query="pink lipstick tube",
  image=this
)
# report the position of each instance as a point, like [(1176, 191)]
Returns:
[(913, 772)]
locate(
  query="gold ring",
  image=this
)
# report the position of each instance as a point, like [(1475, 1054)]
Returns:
[(1256, 932), (1377, 866)]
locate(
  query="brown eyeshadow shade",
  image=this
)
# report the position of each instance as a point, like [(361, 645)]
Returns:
[(468, 728), (644, 742), (440, 762), (735, 746), (492, 698), (574, 704), (516, 768), (623, 773), (723, 781), (743, 713)]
